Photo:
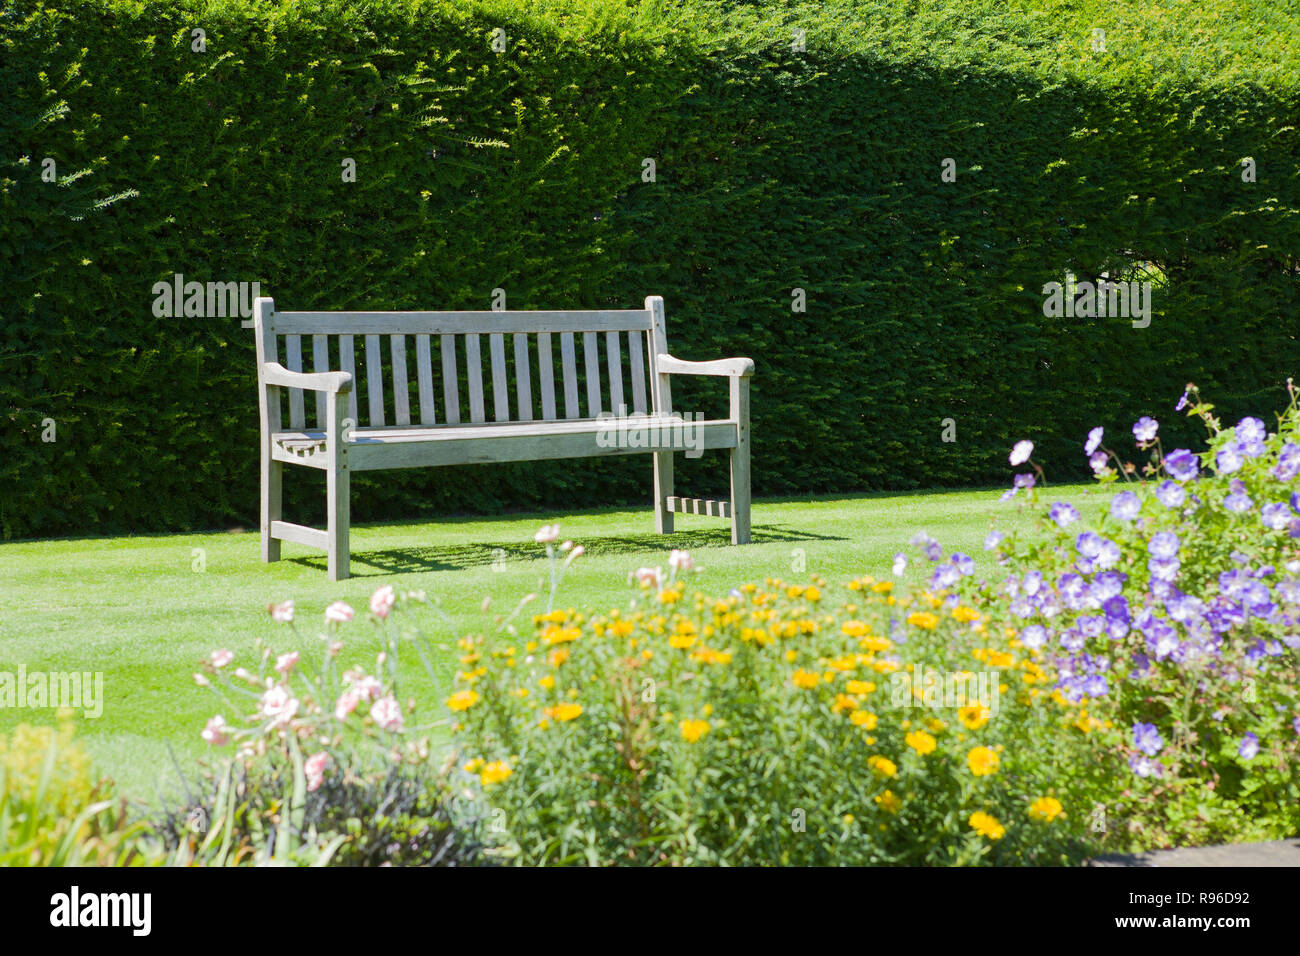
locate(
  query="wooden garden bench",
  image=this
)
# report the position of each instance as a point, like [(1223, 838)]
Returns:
[(404, 427)]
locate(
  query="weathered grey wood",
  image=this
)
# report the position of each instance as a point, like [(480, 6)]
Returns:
[(374, 380), (460, 323), (450, 380), (592, 362), (320, 362), (699, 506), (338, 487), (424, 375), (614, 360), (347, 362), (474, 365), (293, 361), (569, 367), (663, 405), (300, 534), (636, 358), (401, 390), (500, 389), (523, 380), (268, 401), (740, 460), (546, 375)]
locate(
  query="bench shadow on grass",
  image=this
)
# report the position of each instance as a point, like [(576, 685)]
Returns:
[(461, 557)]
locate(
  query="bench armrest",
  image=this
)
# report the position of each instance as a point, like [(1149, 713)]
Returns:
[(738, 367), (273, 373)]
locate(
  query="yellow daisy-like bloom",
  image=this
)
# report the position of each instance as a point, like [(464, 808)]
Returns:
[(563, 712), (982, 761), (965, 614), (936, 725), (987, 826), (495, 773), (681, 641), (812, 594), (864, 719), (882, 765), (558, 656), (873, 643), (883, 587), (920, 741), (855, 628), (474, 766), (561, 635), (806, 679), (923, 619), (859, 687), (462, 700), (974, 716), (693, 730), (889, 802), (548, 681), (1046, 809)]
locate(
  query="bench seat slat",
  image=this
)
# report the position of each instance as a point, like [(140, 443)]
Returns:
[(570, 364), (374, 380), (591, 359), (474, 365), (401, 390), (500, 390), (546, 373), (450, 380), (424, 374), (523, 380)]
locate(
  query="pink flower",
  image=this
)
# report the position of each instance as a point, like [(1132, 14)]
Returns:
[(214, 731), (338, 613), (285, 662), (348, 701), (547, 533), (222, 658), (278, 706), (281, 613), (381, 602), (367, 687), (680, 561), (202, 681), (314, 767), (648, 577), (387, 713), (575, 554)]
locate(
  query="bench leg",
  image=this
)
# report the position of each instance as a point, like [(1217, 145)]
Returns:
[(740, 462), (338, 483), (272, 484), (663, 488)]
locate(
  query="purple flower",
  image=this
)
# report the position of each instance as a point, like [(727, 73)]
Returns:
[(1088, 544), (1063, 514), (1145, 429), (900, 564), (1024, 481), (1164, 569), (1020, 452), (1094, 439), (963, 563), (1035, 636), (1250, 430), (992, 540), (1163, 544), (1097, 462), (1249, 746), (1171, 494), (1288, 463), (1125, 506), (945, 576), (1227, 460), (1144, 766), (1146, 738), (1109, 554), (1182, 403), (1275, 516), (1238, 501), (1181, 464)]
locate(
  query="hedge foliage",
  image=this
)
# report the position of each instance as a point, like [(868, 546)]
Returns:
[(775, 169)]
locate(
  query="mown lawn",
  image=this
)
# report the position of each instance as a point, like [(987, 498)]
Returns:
[(145, 610)]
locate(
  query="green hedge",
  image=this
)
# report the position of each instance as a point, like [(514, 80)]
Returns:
[(775, 169)]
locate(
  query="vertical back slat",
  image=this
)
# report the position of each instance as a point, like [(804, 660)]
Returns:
[(547, 372), (347, 363), (500, 388), (424, 374), (570, 363), (592, 361), (375, 380), (636, 358), (523, 379), (320, 362), (450, 380), (474, 365), (614, 360), (401, 390), (293, 361)]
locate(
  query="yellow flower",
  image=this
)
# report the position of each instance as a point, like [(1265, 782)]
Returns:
[(888, 802), (693, 730), (563, 712), (474, 766), (558, 656), (936, 725), (859, 687), (806, 679), (923, 619), (974, 716), (1046, 809), (548, 681), (920, 741), (884, 587), (560, 635), (622, 628), (462, 699), (882, 765), (965, 614), (982, 761), (985, 825), (495, 772), (844, 702), (864, 719), (813, 594), (681, 641)]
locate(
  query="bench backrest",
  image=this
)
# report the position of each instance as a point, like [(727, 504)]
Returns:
[(422, 369)]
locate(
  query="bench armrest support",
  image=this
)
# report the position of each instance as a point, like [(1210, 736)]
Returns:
[(738, 367), (273, 373)]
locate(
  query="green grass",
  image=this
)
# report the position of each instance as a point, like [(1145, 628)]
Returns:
[(137, 608)]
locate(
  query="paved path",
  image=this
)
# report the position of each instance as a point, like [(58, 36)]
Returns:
[(1275, 853)]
